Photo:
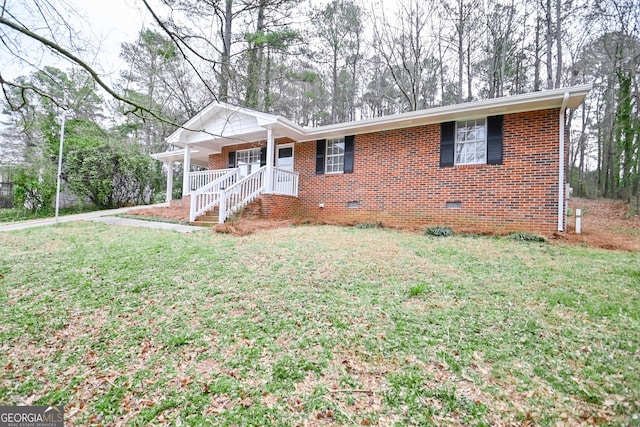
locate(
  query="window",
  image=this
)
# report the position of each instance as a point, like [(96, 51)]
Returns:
[(335, 155), (471, 142), (248, 161)]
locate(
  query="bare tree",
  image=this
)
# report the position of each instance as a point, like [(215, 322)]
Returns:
[(338, 26), (464, 16), (409, 53)]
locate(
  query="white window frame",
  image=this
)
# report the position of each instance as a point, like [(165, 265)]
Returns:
[(252, 157), (338, 167), (475, 143)]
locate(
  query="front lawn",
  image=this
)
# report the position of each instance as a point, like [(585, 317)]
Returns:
[(317, 326)]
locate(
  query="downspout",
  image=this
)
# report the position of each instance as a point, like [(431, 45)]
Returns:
[(561, 177)]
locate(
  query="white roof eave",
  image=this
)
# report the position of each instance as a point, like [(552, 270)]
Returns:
[(283, 127), (476, 109)]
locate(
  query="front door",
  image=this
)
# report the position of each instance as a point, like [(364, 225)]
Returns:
[(283, 182), (284, 158)]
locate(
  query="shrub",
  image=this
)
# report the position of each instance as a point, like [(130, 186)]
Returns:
[(366, 225), (526, 237), (439, 231), (34, 187), (112, 175)]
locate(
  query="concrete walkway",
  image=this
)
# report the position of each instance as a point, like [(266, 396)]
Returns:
[(106, 217)]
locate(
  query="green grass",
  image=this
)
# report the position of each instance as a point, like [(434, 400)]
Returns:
[(13, 215), (319, 325)]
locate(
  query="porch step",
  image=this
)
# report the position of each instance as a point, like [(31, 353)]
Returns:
[(208, 219)]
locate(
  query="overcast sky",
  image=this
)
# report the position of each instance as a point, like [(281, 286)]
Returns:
[(112, 23), (103, 25)]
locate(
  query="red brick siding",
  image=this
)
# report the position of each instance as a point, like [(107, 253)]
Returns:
[(280, 207), (397, 180)]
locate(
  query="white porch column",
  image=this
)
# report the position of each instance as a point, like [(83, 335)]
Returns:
[(268, 179), (169, 181), (186, 190)]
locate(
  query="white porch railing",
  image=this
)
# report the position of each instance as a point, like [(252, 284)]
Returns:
[(208, 196), (240, 194), (230, 193), (285, 182), (201, 178)]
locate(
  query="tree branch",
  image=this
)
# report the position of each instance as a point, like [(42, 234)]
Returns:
[(137, 108)]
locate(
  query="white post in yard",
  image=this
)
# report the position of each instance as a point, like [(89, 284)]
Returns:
[(578, 221), (169, 182), (63, 120), (186, 166), (268, 179)]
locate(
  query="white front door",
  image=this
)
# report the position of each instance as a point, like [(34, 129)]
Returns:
[(284, 160), (284, 157)]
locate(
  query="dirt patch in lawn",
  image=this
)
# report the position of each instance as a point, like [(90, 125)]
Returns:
[(606, 224), (178, 211)]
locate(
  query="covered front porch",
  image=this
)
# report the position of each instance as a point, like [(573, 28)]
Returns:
[(260, 167)]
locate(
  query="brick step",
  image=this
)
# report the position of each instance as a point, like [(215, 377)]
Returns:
[(208, 218)]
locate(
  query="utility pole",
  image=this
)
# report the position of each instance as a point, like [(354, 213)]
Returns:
[(63, 119)]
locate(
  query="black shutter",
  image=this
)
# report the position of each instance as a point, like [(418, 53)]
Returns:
[(232, 159), (263, 156), (494, 140), (348, 153), (447, 143), (321, 148)]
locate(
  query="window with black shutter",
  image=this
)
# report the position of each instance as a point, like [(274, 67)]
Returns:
[(468, 142), (335, 155)]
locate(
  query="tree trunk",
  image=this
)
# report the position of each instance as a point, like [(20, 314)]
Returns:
[(267, 82), (225, 75), (254, 63), (536, 65), (334, 76), (559, 43), (354, 80), (549, 37), (460, 30), (469, 75)]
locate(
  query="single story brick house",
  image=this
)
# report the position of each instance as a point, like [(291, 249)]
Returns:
[(494, 165)]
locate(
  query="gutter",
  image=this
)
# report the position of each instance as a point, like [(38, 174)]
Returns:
[(561, 177)]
